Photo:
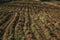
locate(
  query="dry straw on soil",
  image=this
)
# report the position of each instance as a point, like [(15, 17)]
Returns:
[(30, 21)]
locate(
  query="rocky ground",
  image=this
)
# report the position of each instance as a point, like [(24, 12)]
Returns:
[(30, 21)]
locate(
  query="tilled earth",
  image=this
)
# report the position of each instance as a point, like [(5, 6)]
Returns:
[(30, 21)]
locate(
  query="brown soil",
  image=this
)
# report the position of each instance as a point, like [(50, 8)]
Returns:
[(30, 21)]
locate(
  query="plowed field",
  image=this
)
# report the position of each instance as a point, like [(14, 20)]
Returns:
[(30, 21)]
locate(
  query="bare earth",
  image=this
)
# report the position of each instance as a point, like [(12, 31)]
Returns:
[(30, 21)]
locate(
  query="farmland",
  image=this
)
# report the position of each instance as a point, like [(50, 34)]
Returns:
[(30, 21)]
